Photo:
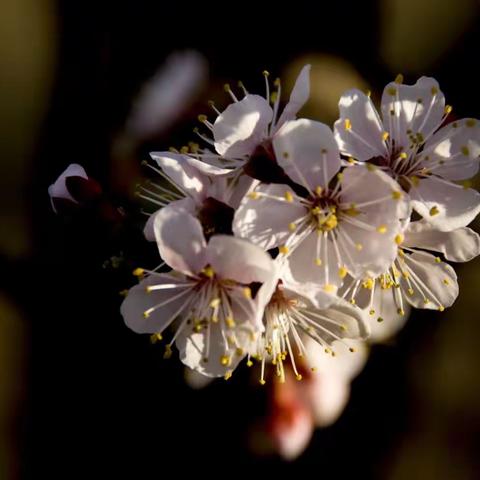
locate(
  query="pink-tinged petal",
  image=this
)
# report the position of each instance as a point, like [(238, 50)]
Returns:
[(445, 205), (453, 151), (242, 126), (243, 185), (183, 172), (433, 284), (237, 259), (264, 217), (412, 109), (167, 303), (359, 131), (164, 97), (308, 152), (180, 240), (461, 245), (186, 204), (59, 188), (372, 214), (298, 97)]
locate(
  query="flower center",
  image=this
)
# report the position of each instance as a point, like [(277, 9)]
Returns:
[(323, 214)]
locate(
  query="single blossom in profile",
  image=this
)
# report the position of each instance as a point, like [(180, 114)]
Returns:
[(336, 223), (297, 311), (216, 294), (73, 186), (246, 128), (416, 277), (408, 143)]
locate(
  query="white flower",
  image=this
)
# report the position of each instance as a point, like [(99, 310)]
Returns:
[(209, 292), (416, 277), (343, 222), (251, 122), (167, 94), (406, 144), (300, 310)]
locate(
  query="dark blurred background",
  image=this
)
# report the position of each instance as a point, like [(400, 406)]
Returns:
[(80, 394)]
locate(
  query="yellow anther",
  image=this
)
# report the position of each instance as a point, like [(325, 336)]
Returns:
[(371, 167), (262, 381), (266, 73), (228, 374), (173, 149), (330, 223), (348, 124), (372, 312), (353, 301), (227, 88), (441, 308), (471, 122), (438, 260), (324, 150), (327, 351), (283, 249), (138, 272), (405, 275), (215, 303), (239, 351), (208, 271), (448, 109), (202, 118), (273, 97), (318, 190), (340, 176), (146, 313), (368, 93), (415, 180), (382, 229), (249, 363), (392, 91), (385, 136), (400, 311), (410, 291), (230, 322), (184, 150), (253, 195), (434, 211), (156, 337), (194, 147), (343, 328), (403, 155), (342, 272), (225, 360), (198, 327), (318, 262), (247, 293), (434, 90), (313, 369), (329, 288), (277, 82), (123, 293), (351, 349), (288, 196), (368, 283), (286, 155), (379, 319), (168, 352), (399, 239), (292, 226), (214, 318), (351, 161), (298, 377), (446, 281), (359, 247), (396, 195), (399, 78), (465, 151)]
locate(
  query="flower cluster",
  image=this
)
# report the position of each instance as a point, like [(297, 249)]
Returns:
[(288, 241)]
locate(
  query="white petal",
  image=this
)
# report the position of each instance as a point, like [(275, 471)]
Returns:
[(298, 97), (308, 152), (242, 126), (419, 108), (372, 246), (59, 188), (430, 280), (461, 245), (184, 204), (237, 259), (180, 240), (189, 179), (363, 139), (443, 204), (196, 380), (139, 301), (454, 150), (265, 221)]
